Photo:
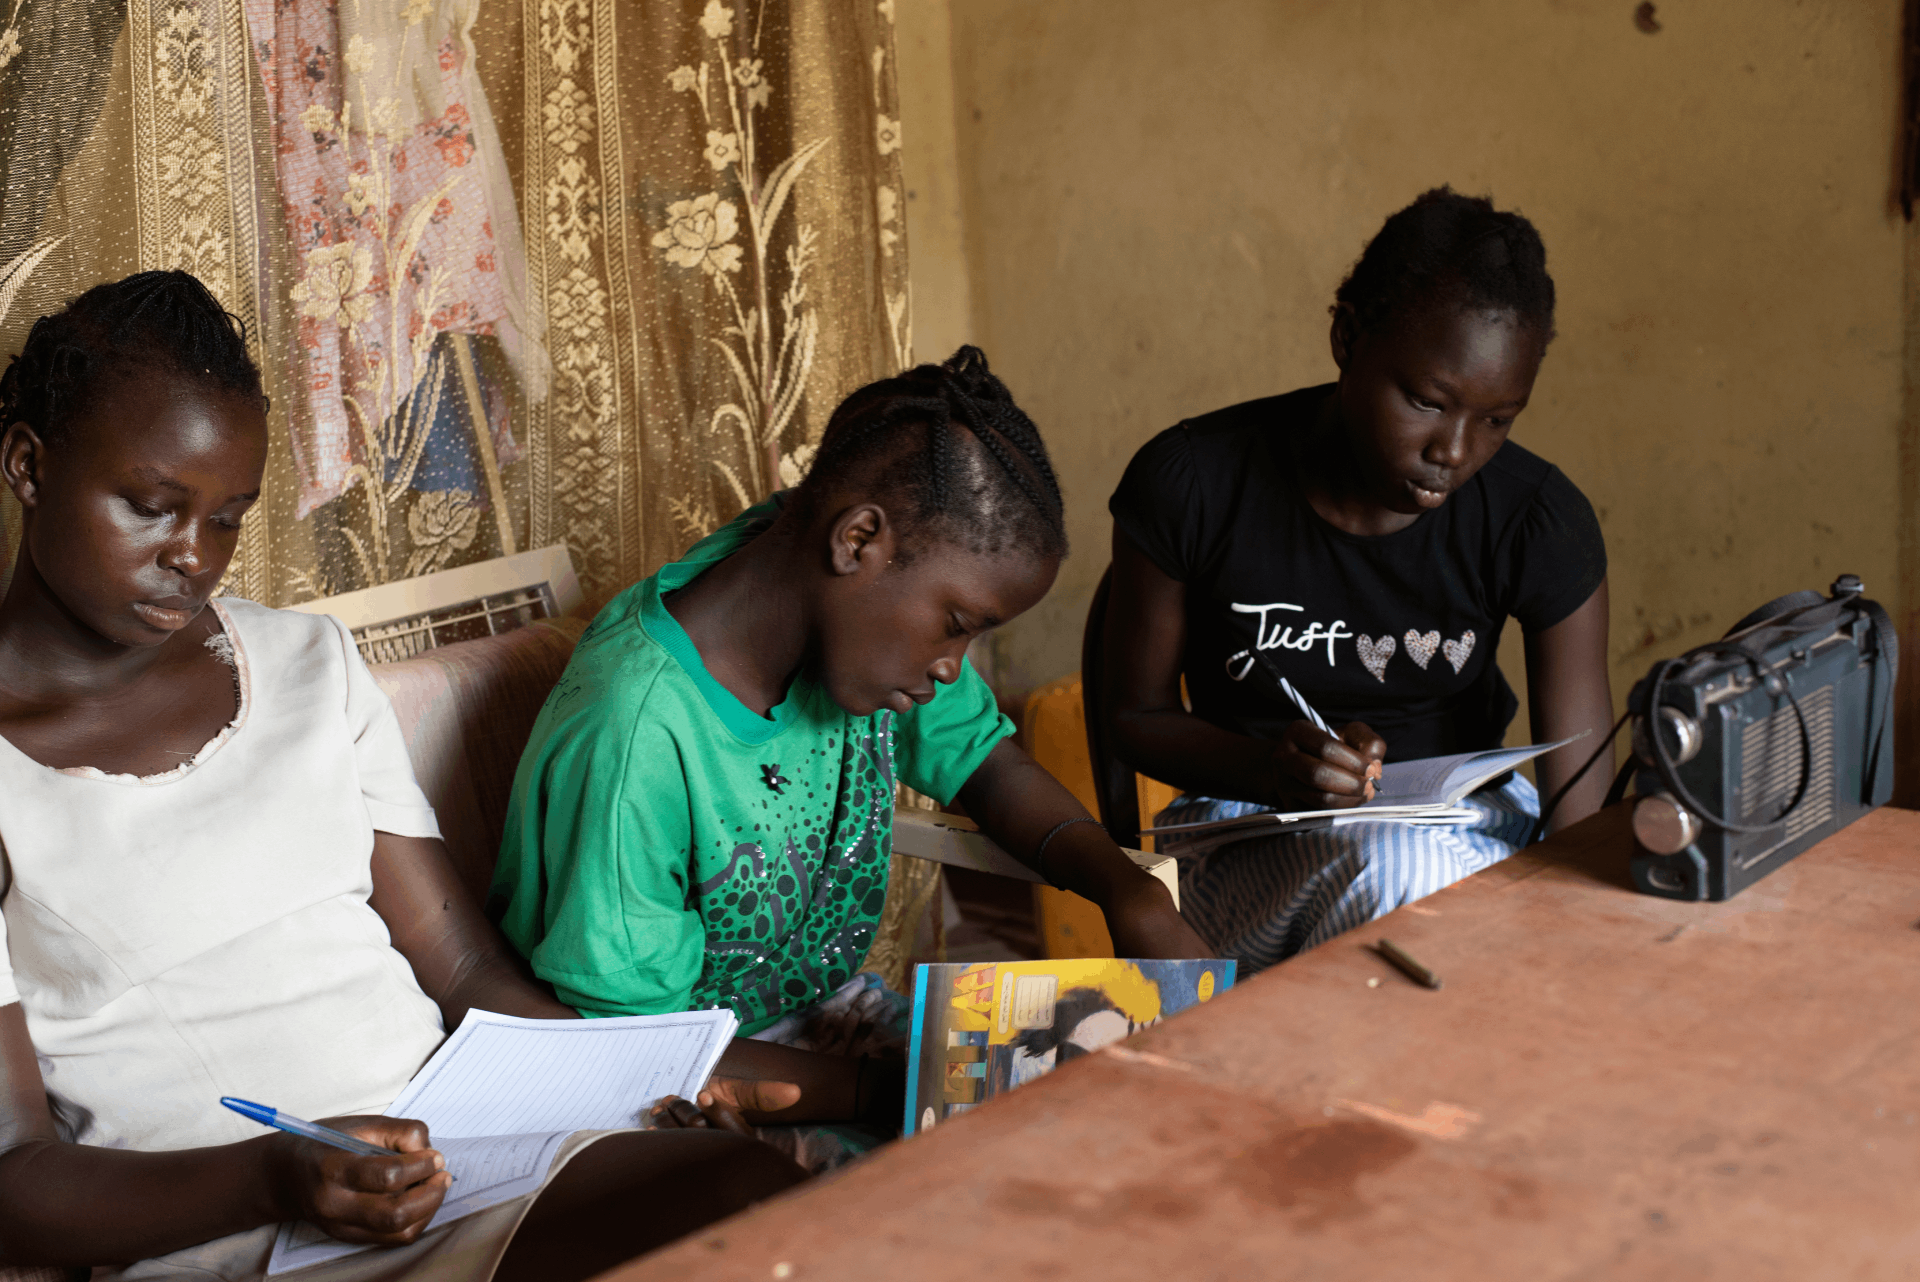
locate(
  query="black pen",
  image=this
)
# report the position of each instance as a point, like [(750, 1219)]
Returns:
[(1403, 962)]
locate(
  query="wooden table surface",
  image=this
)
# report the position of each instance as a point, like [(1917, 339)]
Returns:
[(1608, 1086)]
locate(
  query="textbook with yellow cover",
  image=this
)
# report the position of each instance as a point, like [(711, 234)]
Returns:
[(982, 1028)]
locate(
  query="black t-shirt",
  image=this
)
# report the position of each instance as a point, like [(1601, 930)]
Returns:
[(1398, 630)]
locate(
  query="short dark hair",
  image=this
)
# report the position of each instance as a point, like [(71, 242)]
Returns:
[(165, 320), (1446, 248), (949, 439)]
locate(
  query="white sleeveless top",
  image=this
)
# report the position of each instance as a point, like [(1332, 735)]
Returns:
[(206, 932)]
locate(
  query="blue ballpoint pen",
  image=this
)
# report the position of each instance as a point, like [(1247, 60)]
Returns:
[(294, 1126)]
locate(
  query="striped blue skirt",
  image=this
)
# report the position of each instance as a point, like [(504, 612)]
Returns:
[(1266, 898)]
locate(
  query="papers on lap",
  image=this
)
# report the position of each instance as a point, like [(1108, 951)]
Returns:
[(500, 1095), (1427, 791)]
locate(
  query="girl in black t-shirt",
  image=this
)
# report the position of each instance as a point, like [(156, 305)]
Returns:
[(1368, 540)]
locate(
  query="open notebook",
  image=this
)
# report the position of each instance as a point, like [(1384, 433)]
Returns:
[(1426, 791), (500, 1095)]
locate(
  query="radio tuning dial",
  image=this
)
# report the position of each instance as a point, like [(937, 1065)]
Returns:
[(1684, 738), (1664, 826)]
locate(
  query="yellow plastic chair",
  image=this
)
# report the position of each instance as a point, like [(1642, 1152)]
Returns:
[(1056, 737)]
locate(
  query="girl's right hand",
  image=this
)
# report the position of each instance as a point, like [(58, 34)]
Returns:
[(1313, 770), (724, 1103), (380, 1201)]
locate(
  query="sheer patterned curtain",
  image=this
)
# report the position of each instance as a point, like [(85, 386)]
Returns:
[(519, 272), (555, 271)]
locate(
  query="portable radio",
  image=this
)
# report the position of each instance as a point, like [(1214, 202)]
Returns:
[(1750, 749)]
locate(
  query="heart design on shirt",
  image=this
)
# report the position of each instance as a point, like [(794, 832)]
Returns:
[(1374, 654), (1457, 651), (1421, 646)]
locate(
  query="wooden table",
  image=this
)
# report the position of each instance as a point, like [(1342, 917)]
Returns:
[(1608, 1086)]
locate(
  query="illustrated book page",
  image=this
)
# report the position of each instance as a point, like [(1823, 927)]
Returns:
[(983, 1028)]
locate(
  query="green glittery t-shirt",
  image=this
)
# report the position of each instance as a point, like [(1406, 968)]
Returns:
[(667, 848)]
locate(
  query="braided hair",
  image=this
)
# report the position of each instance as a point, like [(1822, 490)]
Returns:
[(163, 321), (949, 441), (1446, 248)]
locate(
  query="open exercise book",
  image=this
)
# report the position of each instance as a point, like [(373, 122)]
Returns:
[(500, 1095), (1426, 791)]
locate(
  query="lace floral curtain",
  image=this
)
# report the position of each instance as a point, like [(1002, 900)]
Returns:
[(520, 272), (555, 271)]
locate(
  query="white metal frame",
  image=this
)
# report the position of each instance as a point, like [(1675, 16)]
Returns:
[(399, 620), (950, 839)]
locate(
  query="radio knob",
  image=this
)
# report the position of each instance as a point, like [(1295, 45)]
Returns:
[(1684, 737), (1663, 826)]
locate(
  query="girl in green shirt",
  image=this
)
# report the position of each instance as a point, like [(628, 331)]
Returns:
[(703, 814)]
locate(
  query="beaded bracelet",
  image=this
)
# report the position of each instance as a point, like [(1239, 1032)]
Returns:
[(1040, 855)]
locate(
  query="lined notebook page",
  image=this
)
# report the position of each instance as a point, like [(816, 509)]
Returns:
[(486, 1171), (1421, 782), (499, 1075), (1447, 779), (494, 1168), (501, 1094)]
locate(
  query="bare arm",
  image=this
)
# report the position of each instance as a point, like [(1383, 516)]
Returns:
[(1567, 692), (460, 959), (1017, 803), (1146, 631), (76, 1204)]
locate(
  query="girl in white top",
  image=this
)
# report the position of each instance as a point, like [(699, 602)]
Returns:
[(218, 876)]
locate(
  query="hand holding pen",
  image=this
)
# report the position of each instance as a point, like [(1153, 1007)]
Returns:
[(320, 1174), (1315, 768)]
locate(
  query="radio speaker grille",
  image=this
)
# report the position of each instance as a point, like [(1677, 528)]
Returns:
[(1770, 766)]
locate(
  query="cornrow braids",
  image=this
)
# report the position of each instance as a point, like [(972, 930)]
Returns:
[(949, 441), (159, 321), (1448, 248)]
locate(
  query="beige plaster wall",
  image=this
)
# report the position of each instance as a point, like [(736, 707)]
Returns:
[(937, 270), (1157, 201)]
